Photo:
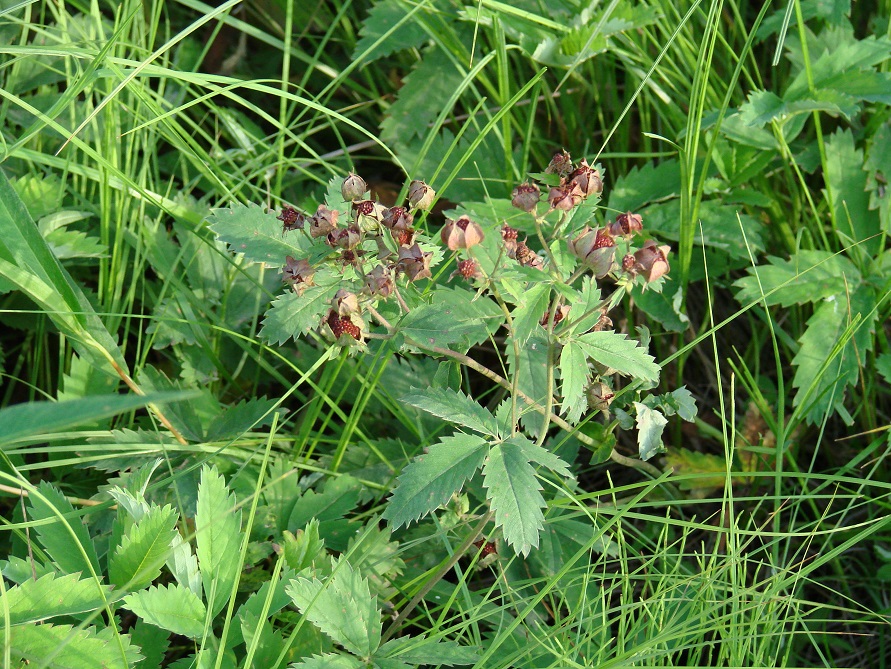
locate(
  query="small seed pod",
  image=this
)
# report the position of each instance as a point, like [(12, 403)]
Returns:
[(626, 225), (461, 234), (323, 221), (344, 238), (353, 187), (526, 196), (468, 270), (368, 214), (420, 195), (652, 260), (561, 313), (291, 219), (379, 282), (596, 249), (564, 197), (345, 303), (342, 326), (561, 164), (397, 218), (414, 263), (527, 257), (509, 237), (298, 273), (586, 179)]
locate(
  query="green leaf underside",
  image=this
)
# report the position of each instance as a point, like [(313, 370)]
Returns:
[(292, 315), (69, 648), (515, 496), (144, 549), (824, 388), (52, 595), (218, 537), (257, 234), (650, 424), (624, 355), (171, 607), (66, 540), (431, 479), (342, 607), (453, 406)]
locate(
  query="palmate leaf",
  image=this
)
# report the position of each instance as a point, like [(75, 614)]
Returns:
[(515, 496), (257, 234), (414, 651), (624, 355), (820, 385), (69, 648), (66, 540), (453, 406), (218, 535), (137, 561), (52, 595), (171, 607), (431, 479), (291, 315), (650, 424), (342, 607), (152, 641)]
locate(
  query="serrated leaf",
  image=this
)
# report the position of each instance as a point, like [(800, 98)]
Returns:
[(619, 353), (680, 402), (584, 313), (453, 406), (846, 180), (664, 306), (153, 643), (515, 495), (339, 496), (883, 367), (250, 414), (429, 651), (342, 607), (454, 318), (529, 312), (431, 479), (69, 648), (52, 595), (137, 561), (650, 424), (540, 455), (303, 547), (257, 234), (292, 315), (386, 30), (183, 564), (574, 374), (823, 387), (66, 540), (532, 367), (218, 537), (809, 276), (328, 661), (171, 607)]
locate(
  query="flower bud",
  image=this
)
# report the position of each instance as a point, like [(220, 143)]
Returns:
[(600, 396), (414, 263), (379, 282), (586, 179), (291, 219), (323, 221), (564, 197), (298, 273), (397, 218), (561, 164), (461, 234), (595, 248), (626, 225), (526, 196), (353, 187), (468, 270), (420, 195), (344, 238), (652, 260)]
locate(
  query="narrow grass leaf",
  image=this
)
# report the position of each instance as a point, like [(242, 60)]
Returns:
[(453, 406), (624, 355), (52, 595), (342, 607), (218, 536), (415, 651), (143, 550), (515, 496), (431, 479), (171, 607), (66, 540), (69, 647)]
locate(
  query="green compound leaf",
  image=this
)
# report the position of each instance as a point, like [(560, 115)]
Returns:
[(52, 595), (143, 550), (453, 406), (66, 540), (624, 355), (342, 607), (431, 479), (454, 319), (388, 16), (69, 648), (530, 369), (515, 496), (170, 607), (529, 312), (291, 315), (257, 234), (218, 535), (650, 424), (540, 455)]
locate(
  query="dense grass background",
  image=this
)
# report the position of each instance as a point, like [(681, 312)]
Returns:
[(741, 131)]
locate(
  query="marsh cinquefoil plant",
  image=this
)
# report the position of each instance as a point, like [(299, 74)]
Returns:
[(535, 278)]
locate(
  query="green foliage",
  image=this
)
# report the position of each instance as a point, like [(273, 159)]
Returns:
[(50, 596), (218, 538), (453, 406), (143, 550), (64, 536), (170, 607), (69, 647)]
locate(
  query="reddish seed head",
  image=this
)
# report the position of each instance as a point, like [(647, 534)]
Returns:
[(508, 233), (340, 326), (291, 219)]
